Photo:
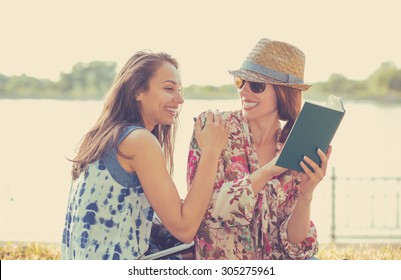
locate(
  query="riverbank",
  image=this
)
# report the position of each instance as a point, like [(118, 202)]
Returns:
[(51, 251)]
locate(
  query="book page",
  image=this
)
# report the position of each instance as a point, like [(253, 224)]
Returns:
[(335, 103)]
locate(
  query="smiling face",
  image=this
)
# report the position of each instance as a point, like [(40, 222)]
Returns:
[(256, 107), (161, 102)]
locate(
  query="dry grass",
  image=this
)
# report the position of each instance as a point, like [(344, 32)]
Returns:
[(51, 251), (29, 251), (360, 252)]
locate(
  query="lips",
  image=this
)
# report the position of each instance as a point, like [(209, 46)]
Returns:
[(248, 105), (172, 110)]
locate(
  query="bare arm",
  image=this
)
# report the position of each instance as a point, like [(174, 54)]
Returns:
[(181, 219), (299, 223)]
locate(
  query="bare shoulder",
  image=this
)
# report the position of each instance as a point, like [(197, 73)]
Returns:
[(139, 140)]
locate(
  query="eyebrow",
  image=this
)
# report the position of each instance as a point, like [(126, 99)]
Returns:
[(170, 81)]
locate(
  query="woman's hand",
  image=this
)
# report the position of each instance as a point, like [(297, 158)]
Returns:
[(264, 174), (212, 138), (310, 179), (274, 169)]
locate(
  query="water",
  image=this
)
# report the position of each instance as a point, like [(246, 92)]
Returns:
[(38, 135)]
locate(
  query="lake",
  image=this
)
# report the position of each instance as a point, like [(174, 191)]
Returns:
[(37, 137)]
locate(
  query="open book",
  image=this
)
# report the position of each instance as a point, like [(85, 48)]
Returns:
[(163, 245), (314, 128)]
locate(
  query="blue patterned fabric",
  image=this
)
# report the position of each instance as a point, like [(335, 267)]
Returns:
[(108, 215)]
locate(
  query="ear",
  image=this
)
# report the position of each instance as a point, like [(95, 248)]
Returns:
[(138, 97)]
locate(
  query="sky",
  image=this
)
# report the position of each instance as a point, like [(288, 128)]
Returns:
[(42, 38)]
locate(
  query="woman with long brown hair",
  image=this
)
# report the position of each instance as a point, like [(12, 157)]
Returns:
[(259, 210), (122, 172)]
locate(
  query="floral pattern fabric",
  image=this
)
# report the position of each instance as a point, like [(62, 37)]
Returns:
[(238, 224)]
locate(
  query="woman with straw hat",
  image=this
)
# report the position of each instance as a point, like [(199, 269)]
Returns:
[(259, 210)]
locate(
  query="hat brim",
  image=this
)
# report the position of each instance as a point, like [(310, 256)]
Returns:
[(256, 77)]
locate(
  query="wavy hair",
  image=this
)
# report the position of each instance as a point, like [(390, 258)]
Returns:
[(289, 101), (121, 109)]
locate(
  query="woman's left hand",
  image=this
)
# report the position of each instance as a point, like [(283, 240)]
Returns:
[(310, 179)]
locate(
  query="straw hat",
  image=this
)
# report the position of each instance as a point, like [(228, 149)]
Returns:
[(274, 62)]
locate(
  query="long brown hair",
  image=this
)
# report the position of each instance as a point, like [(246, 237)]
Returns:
[(121, 109), (289, 105)]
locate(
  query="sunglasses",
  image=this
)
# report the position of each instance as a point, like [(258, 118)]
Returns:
[(255, 86)]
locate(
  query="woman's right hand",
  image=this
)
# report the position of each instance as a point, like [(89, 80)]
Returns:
[(274, 169), (264, 174), (212, 138)]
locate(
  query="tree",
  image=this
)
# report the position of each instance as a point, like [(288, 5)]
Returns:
[(337, 84), (395, 83), (87, 80), (380, 79)]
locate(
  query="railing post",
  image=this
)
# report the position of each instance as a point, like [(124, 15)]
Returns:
[(372, 211), (397, 214), (333, 206)]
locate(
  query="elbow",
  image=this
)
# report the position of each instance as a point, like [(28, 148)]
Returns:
[(298, 236), (186, 240), (296, 239), (185, 237), (185, 234), (183, 231)]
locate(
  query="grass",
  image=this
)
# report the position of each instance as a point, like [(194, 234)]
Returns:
[(29, 251), (360, 252), (51, 251)]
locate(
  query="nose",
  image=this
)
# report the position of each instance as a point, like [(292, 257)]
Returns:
[(178, 98), (245, 90)]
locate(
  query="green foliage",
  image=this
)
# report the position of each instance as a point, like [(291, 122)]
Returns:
[(395, 83), (88, 80), (380, 79), (382, 84), (339, 85), (85, 81), (210, 92), (92, 80)]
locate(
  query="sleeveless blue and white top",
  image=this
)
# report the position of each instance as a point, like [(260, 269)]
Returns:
[(108, 214)]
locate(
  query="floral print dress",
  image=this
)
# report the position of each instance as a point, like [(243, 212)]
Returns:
[(238, 224)]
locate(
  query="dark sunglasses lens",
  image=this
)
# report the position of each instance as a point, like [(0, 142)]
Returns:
[(257, 87), (239, 83)]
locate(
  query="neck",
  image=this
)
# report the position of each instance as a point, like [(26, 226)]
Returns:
[(148, 125), (264, 132)]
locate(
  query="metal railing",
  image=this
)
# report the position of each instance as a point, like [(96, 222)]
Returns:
[(335, 234)]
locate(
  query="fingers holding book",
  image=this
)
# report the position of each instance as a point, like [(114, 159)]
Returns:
[(313, 173)]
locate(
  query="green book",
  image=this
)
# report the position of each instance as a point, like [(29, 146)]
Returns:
[(314, 128)]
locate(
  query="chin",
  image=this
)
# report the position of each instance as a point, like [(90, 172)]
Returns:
[(252, 117), (245, 114), (168, 122)]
